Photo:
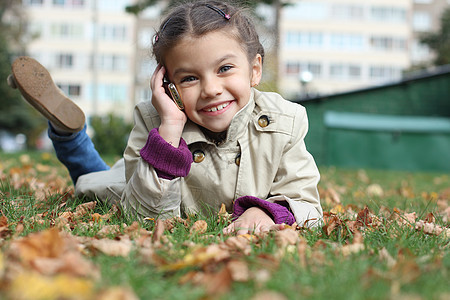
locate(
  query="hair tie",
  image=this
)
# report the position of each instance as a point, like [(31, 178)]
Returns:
[(219, 11)]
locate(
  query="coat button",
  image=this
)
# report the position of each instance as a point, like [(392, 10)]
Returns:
[(198, 156), (263, 121), (237, 160)]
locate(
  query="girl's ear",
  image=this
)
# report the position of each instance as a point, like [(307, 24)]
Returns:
[(256, 69)]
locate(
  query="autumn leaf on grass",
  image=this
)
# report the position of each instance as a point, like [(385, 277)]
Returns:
[(84, 209), (113, 211), (331, 222), (237, 244), (375, 190), (4, 227), (268, 295), (355, 247), (286, 237), (431, 228), (36, 287), (112, 247), (199, 227), (199, 257), (404, 218), (223, 216), (117, 293), (50, 252), (330, 195)]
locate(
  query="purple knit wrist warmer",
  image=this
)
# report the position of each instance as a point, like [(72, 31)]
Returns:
[(168, 161), (279, 213)]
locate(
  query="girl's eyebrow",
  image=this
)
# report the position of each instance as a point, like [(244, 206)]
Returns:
[(217, 62)]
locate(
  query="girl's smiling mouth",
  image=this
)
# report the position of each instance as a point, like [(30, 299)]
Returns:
[(218, 108)]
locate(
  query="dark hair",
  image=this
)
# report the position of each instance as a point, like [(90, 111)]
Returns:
[(201, 17)]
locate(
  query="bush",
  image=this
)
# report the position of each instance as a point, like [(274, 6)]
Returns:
[(110, 134)]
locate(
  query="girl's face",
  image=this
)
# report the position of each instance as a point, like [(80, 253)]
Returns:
[(213, 76)]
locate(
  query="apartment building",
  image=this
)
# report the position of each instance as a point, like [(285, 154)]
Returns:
[(89, 48), (343, 44)]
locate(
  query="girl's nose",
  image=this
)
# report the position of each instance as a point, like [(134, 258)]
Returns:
[(211, 88)]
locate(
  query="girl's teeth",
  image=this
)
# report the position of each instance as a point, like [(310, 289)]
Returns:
[(219, 107)]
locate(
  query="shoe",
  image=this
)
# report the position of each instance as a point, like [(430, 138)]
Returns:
[(37, 87)]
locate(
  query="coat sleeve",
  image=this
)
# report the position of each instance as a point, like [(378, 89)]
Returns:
[(145, 194), (297, 177)]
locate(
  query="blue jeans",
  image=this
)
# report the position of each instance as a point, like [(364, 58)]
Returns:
[(77, 153)]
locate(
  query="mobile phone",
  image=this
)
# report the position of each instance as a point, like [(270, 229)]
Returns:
[(172, 91)]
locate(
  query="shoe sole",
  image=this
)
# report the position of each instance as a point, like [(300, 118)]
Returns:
[(37, 87)]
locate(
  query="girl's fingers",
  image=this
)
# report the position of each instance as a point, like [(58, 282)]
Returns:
[(229, 229), (157, 77)]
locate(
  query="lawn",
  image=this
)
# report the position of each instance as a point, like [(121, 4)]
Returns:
[(385, 235)]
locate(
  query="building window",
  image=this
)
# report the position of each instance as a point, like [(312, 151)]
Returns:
[(113, 33), (389, 14), (337, 71), (112, 62), (64, 61), (345, 71), (295, 68), (112, 93), (345, 41), (33, 2), (354, 71), (66, 30), (384, 73), (297, 39), (347, 12), (69, 3), (71, 90), (385, 43), (421, 21)]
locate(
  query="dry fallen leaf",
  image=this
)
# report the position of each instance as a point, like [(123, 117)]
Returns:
[(238, 270), (223, 216), (50, 252), (431, 228), (199, 227), (113, 247), (117, 293), (375, 190), (238, 243), (269, 295), (36, 287), (84, 209), (286, 237), (199, 257)]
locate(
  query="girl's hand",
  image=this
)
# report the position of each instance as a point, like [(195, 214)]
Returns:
[(253, 220), (172, 119)]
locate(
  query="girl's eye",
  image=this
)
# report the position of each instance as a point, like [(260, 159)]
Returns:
[(224, 69), (188, 79)]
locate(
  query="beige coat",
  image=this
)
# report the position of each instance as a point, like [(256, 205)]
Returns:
[(268, 160)]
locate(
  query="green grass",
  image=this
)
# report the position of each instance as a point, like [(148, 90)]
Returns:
[(319, 271)]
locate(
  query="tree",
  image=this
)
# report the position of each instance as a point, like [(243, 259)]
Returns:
[(439, 41), (16, 116)]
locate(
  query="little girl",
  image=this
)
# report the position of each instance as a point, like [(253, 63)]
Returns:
[(230, 143)]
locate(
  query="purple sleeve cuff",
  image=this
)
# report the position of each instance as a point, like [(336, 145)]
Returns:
[(279, 213), (168, 161)]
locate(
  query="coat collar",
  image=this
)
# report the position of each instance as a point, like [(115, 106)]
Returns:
[(193, 134)]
